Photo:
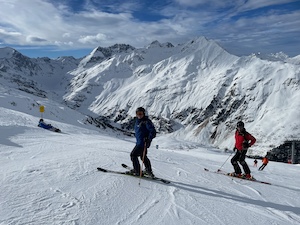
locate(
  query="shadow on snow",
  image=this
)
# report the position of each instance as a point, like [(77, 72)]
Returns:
[(220, 194), (6, 132)]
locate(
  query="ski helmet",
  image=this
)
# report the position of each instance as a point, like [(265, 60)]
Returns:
[(240, 124), (140, 109)]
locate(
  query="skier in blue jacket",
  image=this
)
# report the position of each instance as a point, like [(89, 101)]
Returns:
[(42, 124), (144, 133)]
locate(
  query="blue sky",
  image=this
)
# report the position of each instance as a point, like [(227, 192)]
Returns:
[(56, 28)]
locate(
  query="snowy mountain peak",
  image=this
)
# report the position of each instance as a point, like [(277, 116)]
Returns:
[(154, 44), (101, 53), (157, 44), (202, 44), (109, 51), (6, 52), (200, 39), (278, 57), (66, 58)]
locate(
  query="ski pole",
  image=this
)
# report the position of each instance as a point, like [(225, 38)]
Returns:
[(143, 158), (224, 163)]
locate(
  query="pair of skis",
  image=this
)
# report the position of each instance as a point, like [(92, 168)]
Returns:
[(167, 182), (243, 178), (129, 168)]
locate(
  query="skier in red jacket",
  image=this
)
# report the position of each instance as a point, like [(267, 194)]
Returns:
[(265, 161), (243, 140)]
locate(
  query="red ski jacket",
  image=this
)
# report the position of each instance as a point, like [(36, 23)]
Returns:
[(240, 138), (265, 161)]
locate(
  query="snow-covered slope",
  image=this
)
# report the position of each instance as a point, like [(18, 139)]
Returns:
[(280, 56), (51, 178)]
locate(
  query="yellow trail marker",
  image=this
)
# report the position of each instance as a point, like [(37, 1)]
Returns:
[(42, 109)]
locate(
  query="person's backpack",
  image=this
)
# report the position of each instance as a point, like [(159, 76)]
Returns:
[(145, 124)]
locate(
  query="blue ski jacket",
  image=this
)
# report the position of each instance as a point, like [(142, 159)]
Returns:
[(144, 131), (45, 126)]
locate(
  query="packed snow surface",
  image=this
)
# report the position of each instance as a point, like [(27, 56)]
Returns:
[(51, 178)]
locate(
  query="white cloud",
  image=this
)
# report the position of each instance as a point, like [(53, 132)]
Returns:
[(93, 39), (40, 23), (241, 5), (85, 28), (14, 37), (256, 4), (267, 33), (59, 43), (66, 35), (32, 18), (211, 3), (5, 32)]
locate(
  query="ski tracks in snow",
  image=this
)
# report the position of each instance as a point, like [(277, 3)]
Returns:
[(54, 181), (188, 208), (141, 211), (37, 203)]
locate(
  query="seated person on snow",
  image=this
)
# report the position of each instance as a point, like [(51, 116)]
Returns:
[(42, 124)]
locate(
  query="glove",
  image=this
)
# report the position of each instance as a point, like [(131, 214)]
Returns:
[(246, 144), (147, 142)]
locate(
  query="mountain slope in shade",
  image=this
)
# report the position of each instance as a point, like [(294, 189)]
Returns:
[(37, 76)]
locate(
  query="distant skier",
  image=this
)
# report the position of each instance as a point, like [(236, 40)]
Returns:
[(144, 133), (255, 163), (265, 162), (42, 124), (243, 140)]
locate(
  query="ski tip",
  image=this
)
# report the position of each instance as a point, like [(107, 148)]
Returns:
[(163, 180), (101, 169), (206, 169), (124, 165)]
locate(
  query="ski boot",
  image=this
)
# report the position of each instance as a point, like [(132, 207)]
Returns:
[(148, 173), (248, 177), (132, 172), (239, 175)]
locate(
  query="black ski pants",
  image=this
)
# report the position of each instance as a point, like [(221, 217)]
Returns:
[(138, 152), (262, 166), (240, 157)]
